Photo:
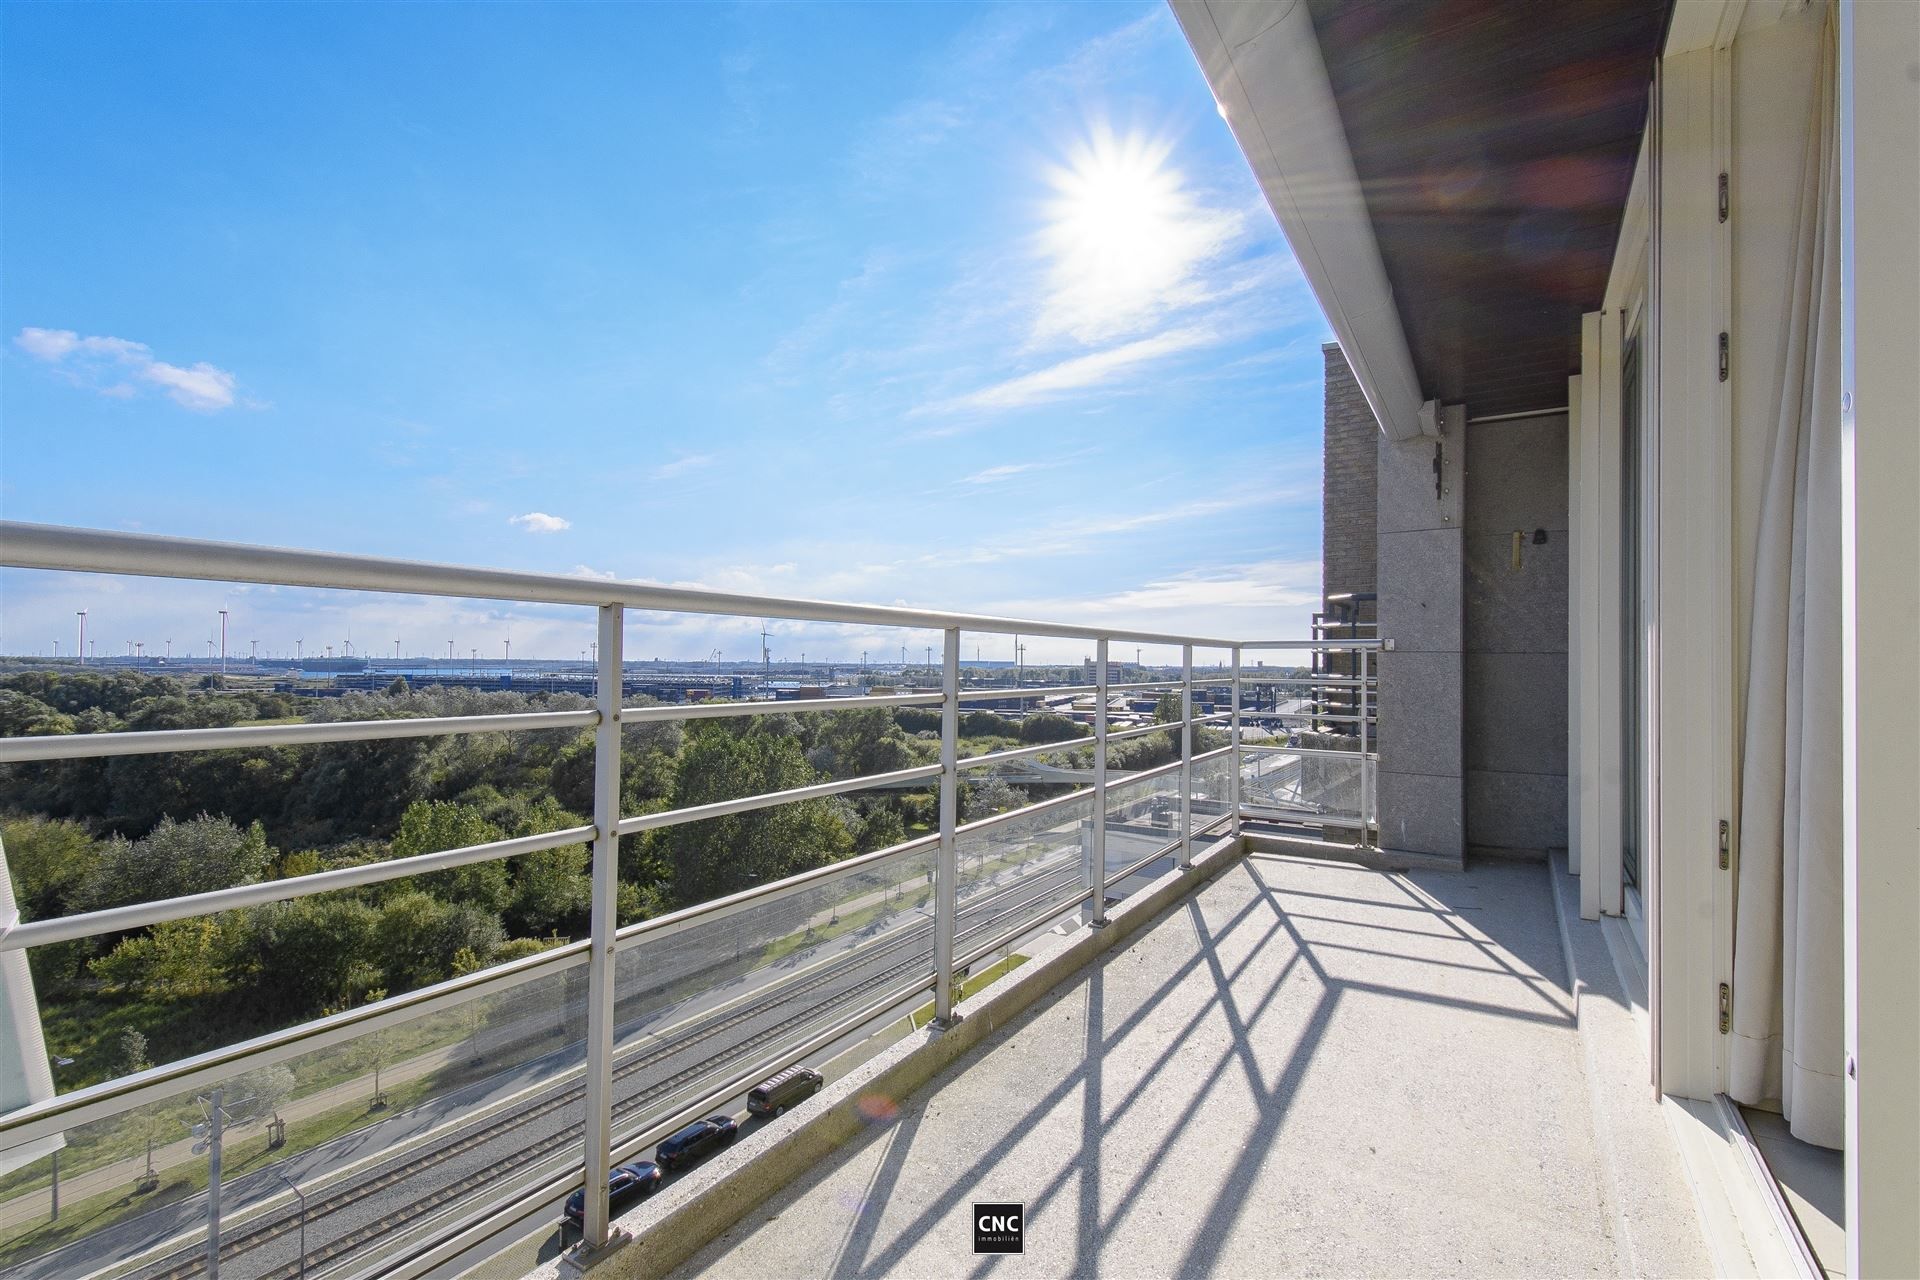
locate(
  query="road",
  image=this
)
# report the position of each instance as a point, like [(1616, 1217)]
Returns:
[(412, 1166)]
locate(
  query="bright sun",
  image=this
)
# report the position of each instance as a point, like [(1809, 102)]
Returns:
[(1124, 237)]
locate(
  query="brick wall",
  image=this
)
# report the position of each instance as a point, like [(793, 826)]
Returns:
[(1348, 486)]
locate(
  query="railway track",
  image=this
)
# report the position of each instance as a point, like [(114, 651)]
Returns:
[(983, 913)]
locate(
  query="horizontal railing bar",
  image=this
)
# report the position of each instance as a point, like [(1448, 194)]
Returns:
[(110, 1097), (1304, 817), (1334, 645), (1268, 748), (766, 706), (1257, 676), (77, 746), (1019, 753), (1033, 691), (719, 908), (88, 924), (1310, 715), (1070, 744), (1141, 731), (1064, 690), (769, 799), (1120, 779), (75, 550)]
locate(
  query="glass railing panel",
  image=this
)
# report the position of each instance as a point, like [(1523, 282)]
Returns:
[(701, 1002), (1024, 869), (387, 1133), (1306, 781)]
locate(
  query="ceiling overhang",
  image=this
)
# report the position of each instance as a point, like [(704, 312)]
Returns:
[(1487, 146)]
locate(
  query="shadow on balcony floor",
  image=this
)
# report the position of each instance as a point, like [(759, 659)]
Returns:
[(1307, 1068)]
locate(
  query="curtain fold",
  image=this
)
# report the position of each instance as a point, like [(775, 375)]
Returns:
[(1787, 1041)]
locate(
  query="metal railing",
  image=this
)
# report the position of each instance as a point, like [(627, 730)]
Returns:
[(633, 979)]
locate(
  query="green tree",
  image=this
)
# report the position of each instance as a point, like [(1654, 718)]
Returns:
[(25, 716), (417, 937), (882, 829), (984, 797), (51, 861), (313, 953), (178, 959), (1049, 727), (431, 826), (177, 858), (724, 855), (132, 1052)]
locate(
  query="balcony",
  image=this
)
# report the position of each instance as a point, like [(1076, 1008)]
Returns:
[(1285, 1067), (420, 1131)]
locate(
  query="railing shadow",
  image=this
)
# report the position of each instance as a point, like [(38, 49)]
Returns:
[(1433, 911)]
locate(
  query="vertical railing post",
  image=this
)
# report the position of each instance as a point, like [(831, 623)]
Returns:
[(1366, 767), (946, 870), (1186, 756), (1097, 860), (1233, 729), (598, 1130)]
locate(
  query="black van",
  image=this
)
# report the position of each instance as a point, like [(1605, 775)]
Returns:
[(795, 1084)]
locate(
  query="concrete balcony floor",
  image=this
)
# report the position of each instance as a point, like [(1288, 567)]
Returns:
[(1306, 1068)]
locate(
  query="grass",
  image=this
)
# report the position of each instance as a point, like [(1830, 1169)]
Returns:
[(975, 982)]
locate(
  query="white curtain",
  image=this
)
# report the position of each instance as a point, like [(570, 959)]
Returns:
[(1787, 998)]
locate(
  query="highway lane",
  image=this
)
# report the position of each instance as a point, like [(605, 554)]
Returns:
[(780, 1011)]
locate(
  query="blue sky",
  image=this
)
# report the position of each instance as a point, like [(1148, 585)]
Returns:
[(965, 307)]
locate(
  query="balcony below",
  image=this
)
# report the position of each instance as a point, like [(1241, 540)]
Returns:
[(1303, 1068)]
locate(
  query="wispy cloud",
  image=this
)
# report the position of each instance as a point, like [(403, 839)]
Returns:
[(1007, 471), (116, 367), (682, 465), (1076, 374), (1079, 534), (1222, 599), (540, 522)]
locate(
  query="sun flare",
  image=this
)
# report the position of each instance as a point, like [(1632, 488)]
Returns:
[(1124, 236)]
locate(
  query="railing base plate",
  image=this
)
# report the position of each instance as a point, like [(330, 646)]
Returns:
[(583, 1257)]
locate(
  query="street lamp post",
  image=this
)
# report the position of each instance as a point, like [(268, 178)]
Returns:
[(210, 1135)]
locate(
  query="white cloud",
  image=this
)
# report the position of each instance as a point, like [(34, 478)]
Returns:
[(104, 363), (540, 522), (588, 571), (1078, 373), (200, 387), (681, 466)]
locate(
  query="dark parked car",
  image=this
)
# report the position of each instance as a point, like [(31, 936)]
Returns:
[(795, 1084), (696, 1140), (627, 1185)]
